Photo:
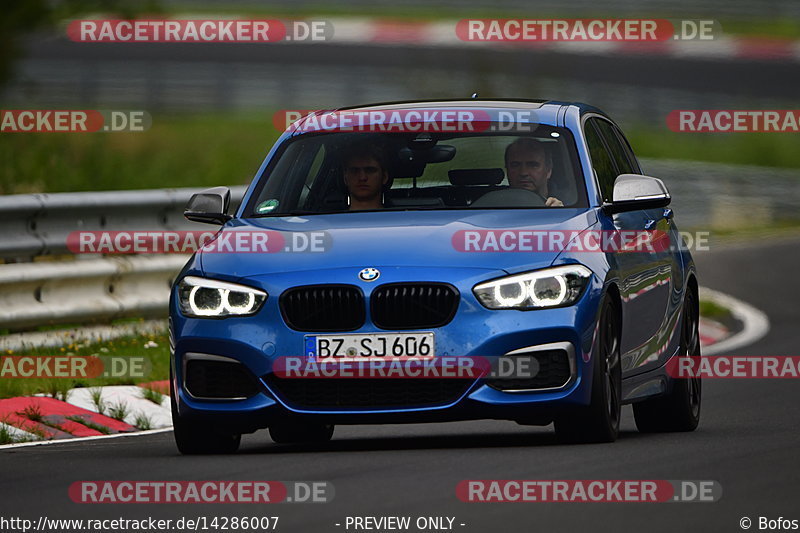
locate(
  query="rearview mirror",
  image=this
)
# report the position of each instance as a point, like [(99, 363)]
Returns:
[(432, 154), (634, 191), (209, 206)]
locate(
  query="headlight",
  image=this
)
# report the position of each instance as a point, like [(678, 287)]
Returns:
[(200, 297), (552, 287)]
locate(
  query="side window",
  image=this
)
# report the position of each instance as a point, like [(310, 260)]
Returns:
[(292, 171), (628, 151), (618, 151), (601, 160), (313, 173)]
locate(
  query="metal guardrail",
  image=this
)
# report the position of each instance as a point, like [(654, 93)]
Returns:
[(38, 224), (713, 196), (88, 288), (37, 294)]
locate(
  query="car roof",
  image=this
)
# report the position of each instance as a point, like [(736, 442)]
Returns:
[(482, 103), (466, 102), (546, 110)]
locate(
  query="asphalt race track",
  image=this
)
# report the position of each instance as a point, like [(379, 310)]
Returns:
[(748, 441)]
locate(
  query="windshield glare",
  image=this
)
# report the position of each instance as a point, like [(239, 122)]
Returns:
[(348, 172)]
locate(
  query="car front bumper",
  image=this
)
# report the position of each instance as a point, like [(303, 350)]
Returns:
[(258, 341)]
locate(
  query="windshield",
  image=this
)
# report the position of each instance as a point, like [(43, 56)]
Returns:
[(347, 172)]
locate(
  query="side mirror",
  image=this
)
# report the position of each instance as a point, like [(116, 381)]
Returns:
[(634, 191), (209, 206)]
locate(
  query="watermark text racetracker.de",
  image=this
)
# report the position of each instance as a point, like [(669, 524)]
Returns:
[(585, 30), (198, 30), (73, 366), (73, 120), (588, 491), (200, 492), (737, 366), (184, 242), (373, 361), (734, 120), (604, 241), (447, 120)]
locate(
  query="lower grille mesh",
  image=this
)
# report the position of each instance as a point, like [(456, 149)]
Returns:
[(218, 379), (554, 371)]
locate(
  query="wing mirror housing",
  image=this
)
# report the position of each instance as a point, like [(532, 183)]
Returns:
[(633, 192), (209, 206)]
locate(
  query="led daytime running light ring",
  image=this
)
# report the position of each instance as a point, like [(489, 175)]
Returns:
[(224, 305), (544, 302)]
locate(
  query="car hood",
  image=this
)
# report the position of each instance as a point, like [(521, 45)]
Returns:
[(387, 239)]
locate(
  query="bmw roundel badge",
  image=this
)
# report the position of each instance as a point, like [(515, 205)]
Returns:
[(369, 274)]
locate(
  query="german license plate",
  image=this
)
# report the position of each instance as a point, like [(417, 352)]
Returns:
[(370, 346)]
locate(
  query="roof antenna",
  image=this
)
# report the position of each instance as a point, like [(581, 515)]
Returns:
[(474, 95)]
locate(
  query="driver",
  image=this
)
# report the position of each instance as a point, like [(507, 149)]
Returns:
[(365, 176), (529, 166)]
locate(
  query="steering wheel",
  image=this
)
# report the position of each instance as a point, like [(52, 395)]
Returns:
[(511, 197)]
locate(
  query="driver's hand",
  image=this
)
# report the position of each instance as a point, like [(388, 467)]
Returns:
[(553, 202)]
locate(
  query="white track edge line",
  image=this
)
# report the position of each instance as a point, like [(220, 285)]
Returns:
[(755, 321), (84, 439)]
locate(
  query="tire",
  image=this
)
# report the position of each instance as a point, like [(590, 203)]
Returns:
[(599, 422), (680, 409), (198, 439), (301, 434)]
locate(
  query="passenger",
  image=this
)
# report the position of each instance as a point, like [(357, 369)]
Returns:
[(365, 176), (529, 165)]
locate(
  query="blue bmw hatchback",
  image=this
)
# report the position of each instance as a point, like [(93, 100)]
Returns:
[(520, 233)]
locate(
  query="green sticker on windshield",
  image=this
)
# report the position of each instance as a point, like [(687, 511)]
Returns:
[(266, 207)]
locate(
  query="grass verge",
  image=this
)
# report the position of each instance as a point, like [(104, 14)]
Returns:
[(132, 346), (760, 149), (714, 311), (190, 150), (7, 436), (89, 424)]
